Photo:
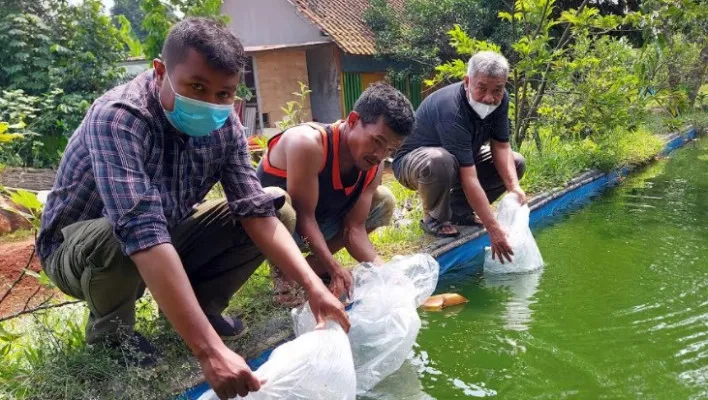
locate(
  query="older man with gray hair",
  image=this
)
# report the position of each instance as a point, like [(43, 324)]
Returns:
[(459, 158)]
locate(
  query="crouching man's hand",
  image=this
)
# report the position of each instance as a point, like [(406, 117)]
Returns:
[(228, 374), (520, 194), (501, 248), (325, 306)]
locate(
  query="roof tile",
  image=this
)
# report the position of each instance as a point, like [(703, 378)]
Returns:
[(343, 21)]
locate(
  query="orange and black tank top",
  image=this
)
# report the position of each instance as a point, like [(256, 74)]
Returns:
[(338, 193)]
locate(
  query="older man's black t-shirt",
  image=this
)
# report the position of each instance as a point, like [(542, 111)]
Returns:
[(445, 119)]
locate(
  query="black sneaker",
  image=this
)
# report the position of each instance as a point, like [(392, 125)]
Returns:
[(133, 350)]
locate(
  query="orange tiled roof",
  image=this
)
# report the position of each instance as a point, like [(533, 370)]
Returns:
[(343, 21)]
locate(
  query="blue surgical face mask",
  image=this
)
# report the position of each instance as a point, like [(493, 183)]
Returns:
[(194, 117)]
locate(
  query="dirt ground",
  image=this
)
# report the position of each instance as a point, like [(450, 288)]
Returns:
[(13, 258)]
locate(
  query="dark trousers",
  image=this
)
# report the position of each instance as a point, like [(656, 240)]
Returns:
[(216, 252), (435, 174)]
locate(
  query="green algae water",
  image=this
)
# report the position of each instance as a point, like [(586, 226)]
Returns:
[(620, 311)]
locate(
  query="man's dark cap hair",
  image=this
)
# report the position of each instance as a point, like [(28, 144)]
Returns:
[(210, 38), (383, 100)]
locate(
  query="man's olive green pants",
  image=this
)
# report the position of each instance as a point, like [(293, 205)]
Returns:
[(216, 252)]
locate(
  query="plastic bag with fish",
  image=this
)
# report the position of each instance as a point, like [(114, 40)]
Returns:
[(514, 218), (383, 314), (317, 365)]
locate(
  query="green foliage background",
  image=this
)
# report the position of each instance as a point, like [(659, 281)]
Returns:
[(588, 79), (59, 56)]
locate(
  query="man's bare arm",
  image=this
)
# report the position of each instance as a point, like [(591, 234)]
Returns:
[(271, 237), (478, 201), (163, 273), (356, 238), (304, 159), (504, 163)]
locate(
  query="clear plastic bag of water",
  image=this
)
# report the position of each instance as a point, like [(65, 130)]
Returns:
[(514, 218), (383, 314), (317, 365)]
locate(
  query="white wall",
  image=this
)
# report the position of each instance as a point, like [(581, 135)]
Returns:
[(268, 23)]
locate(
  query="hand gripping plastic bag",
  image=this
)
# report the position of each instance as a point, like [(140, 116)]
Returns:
[(383, 314), (315, 366), (514, 218)]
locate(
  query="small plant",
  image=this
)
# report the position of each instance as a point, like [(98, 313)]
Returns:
[(294, 109), (6, 136), (243, 93), (29, 206), (673, 101), (257, 145)]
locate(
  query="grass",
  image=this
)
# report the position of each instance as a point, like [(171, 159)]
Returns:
[(404, 235), (561, 160), (17, 236), (45, 357)]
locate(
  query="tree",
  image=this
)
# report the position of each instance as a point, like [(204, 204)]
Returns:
[(54, 65), (676, 36), (40, 8), (128, 37), (581, 67), (417, 33), (132, 11), (88, 47), (27, 55), (161, 15)]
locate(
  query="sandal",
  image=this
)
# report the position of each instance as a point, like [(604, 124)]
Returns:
[(228, 327), (434, 227), (286, 293)]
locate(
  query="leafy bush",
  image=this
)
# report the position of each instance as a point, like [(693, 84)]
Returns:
[(56, 63), (47, 122), (88, 47), (26, 54), (161, 15)]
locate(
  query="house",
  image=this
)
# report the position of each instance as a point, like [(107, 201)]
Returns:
[(324, 44)]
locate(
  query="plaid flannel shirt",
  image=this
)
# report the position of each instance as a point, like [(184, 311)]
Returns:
[(127, 163)]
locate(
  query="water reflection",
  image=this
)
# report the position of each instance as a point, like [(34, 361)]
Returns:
[(404, 384), (522, 288)]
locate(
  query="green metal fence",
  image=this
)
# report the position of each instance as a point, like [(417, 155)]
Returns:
[(352, 90), (410, 85), (415, 85), (400, 82)]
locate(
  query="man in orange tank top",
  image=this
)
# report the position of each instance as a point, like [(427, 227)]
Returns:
[(333, 175)]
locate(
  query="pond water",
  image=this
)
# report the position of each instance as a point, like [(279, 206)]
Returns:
[(620, 311)]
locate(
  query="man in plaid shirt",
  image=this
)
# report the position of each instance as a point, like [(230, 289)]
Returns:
[(127, 211)]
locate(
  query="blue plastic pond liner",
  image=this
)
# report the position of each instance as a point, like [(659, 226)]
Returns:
[(470, 254), (254, 364)]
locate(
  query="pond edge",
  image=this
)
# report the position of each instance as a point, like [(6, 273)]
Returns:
[(577, 192)]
